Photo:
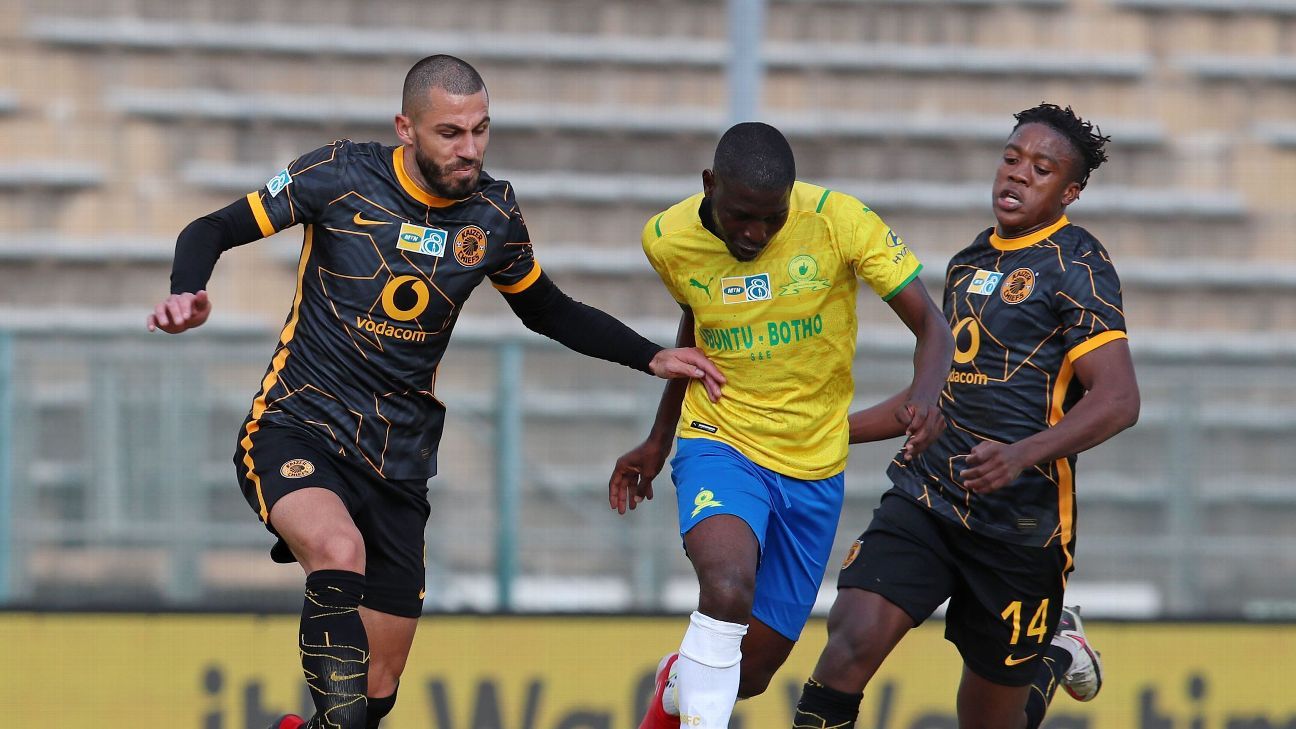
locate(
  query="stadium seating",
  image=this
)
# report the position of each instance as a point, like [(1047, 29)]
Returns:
[(145, 115), (1275, 7)]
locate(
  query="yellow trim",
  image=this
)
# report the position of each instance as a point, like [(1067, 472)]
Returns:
[(1093, 343), (1012, 244), (1066, 479), (411, 187), (271, 377), (259, 212), (524, 284)]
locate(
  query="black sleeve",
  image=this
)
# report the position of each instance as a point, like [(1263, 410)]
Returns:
[(205, 239), (545, 309)]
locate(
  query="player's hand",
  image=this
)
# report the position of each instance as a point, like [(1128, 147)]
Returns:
[(992, 466), (689, 362), (633, 475), (923, 423), (179, 312)]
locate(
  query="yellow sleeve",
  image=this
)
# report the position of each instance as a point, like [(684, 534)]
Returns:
[(877, 253), (652, 246)]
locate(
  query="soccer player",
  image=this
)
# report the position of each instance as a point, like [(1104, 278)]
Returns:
[(986, 516), (766, 269), (335, 454)]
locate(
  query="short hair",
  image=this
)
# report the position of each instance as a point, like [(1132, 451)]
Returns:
[(755, 155), (448, 73), (1086, 138)]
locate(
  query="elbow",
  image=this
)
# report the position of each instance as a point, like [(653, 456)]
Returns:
[(1127, 411)]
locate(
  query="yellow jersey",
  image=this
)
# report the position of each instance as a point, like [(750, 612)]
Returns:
[(782, 327)]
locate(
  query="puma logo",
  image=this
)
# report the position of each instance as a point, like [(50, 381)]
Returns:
[(704, 286)]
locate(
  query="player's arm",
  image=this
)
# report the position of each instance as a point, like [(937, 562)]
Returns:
[(878, 422), (198, 247), (545, 309), (1110, 404), (633, 474), (917, 409)]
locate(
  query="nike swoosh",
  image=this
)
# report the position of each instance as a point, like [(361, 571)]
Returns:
[(422, 593), (1011, 661), (360, 220), (335, 677)]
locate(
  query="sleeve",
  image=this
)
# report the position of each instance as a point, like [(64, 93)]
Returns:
[(299, 192), (652, 247), (546, 310), (877, 253), (517, 270), (1088, 303), (203, 241)]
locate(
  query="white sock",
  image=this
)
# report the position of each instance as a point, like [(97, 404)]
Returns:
[(708, 670)]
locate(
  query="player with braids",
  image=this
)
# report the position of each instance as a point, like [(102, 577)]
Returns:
[(985, 516), (1087, 139)]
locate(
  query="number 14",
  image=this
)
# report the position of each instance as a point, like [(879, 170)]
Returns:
[(1038, 627)]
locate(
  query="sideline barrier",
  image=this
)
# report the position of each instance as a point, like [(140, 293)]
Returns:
[(240, 672)]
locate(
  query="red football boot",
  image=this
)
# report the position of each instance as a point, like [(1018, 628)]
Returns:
[(657, 718)]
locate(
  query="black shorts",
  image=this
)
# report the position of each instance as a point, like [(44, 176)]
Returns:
[(391, 515), (1005, 599)]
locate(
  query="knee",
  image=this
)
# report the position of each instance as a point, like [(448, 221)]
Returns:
[(850, 645), (727, 596), (384, 677), (335, 552)]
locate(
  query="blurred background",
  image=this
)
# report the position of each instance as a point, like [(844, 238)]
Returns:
[(122, 120), (125, 545)]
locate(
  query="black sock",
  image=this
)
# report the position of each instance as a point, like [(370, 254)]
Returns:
[(823, 708), (378, 708), (1052, 668), (335, 649)]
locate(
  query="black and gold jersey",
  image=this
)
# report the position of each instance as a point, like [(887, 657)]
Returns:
[(385, 269), (1023, 310)]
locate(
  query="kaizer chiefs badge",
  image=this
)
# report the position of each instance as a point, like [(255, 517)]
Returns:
[(297, 468), (851, 555), (1017, 286), (470, 246)]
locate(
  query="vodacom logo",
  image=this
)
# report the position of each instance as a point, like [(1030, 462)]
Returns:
[(964, 355), (421, 297)]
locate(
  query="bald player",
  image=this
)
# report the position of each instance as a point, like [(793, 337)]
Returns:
[(340, 441)]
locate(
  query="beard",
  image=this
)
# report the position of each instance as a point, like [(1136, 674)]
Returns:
[(439, 180)]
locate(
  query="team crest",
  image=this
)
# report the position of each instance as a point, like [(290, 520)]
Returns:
[(851, 555), (297, 468), (470, 246), (1017, 286), (802, 270)]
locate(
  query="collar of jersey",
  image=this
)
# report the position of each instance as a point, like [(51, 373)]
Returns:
[(1012, 244), (411, 187)]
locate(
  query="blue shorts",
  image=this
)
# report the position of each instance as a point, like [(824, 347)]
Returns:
[(794, 521)]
